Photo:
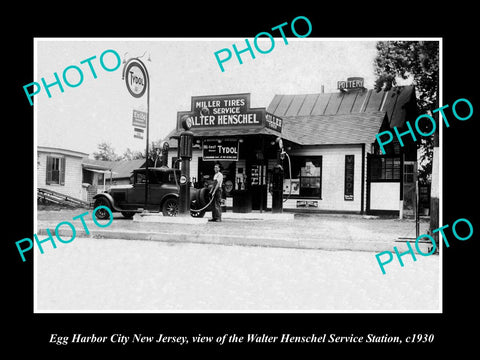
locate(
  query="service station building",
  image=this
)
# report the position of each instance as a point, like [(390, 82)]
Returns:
[(333, 162)]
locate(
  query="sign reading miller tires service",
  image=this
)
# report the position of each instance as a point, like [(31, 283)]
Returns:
[(231, 111)]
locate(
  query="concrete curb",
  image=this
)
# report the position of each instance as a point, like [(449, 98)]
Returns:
[(140, 217), (244, 240), (156, 217)]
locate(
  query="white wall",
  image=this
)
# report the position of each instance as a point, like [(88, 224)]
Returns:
[(73, 175), (385, 196), (333, 178)]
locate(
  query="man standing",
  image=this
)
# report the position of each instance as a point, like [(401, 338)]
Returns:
[(216, 192)]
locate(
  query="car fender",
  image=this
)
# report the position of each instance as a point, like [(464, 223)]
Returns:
[(110, 200), (167, 196)]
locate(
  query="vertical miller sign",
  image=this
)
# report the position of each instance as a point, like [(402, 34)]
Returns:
[(137, 81)]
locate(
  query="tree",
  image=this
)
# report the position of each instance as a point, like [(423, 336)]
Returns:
[(419, 62), (154, 153), (105, 152), (132, 155)]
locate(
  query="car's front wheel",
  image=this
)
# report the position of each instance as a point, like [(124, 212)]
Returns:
[(170, 207), (102, 214)]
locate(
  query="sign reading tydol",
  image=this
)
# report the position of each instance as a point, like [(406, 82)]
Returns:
[(136, 79), (220, 149)]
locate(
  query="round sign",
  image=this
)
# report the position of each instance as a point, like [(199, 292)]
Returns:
[(187, 122), (205, 111), (228, 186), (183, 179), (136, 80)]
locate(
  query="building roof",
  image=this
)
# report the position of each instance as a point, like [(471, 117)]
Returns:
[(120, 169), (359, 128), (398, 103), (54, 150), (352, 117), (124, 168), (88, 163)]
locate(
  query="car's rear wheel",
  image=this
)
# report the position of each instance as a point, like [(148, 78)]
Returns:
[(102, 214), (170, 207)]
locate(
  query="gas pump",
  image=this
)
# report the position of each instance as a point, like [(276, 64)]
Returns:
[(185, 153), (277, 180)]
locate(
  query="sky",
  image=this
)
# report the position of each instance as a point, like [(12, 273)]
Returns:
[(101, 109)]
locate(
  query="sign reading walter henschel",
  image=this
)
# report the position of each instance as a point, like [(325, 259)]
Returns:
[(223, 112)]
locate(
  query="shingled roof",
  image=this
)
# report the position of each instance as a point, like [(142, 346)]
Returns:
[(398, 103), (120, 169), (352, 117), (359, 128)]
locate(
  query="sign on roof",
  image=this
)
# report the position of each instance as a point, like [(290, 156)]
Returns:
[(351, 83)]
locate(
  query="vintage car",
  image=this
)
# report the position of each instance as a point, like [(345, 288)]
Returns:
[(163, 195)]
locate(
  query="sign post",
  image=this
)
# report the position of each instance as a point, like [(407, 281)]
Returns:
[(137, 80)]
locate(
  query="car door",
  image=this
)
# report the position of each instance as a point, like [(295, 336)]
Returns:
[(165, 185), (155, 189), (136, 195)]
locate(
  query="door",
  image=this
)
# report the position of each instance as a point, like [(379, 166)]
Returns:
[(384, 189), (258, 186)]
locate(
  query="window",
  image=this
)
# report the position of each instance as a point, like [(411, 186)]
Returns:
[(385, 168), (100, 178), (155, 177), (140, 178), (308, 171), (55, 170), (408, 173)]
